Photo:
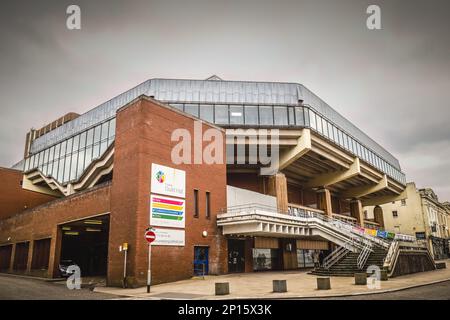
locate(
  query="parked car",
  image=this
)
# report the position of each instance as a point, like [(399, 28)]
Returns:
[(63, 265)]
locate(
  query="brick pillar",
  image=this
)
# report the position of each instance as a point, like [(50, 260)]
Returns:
[(324, 201), (378, 216), (13, 253), (55, 253), (356, 211), (278, 187), (30, 256)]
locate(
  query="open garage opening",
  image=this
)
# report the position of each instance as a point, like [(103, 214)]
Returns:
[(85, 244)]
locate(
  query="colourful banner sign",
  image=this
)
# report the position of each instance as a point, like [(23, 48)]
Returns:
[(167, 212)]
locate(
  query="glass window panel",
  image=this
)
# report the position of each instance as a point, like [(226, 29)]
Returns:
[(312, 119), (110, 141), (345, 141), (80, 166), (207, 112), (46, 153), (76, 141), (97, 133), (341, 138), (178, 106), (104, 131), (280, 116), (60, 170), (251, 114), (330, 130), (88, 157), (221, 114), (41, 159), (319, 123), (265, 115), (103, 147), (291, 116), (90, 137), (325, 127), (27, 163), (299, 116), (112, 128), (63, 148), (191, 109), (307, 119), (55, 169), (73, 166), (67, 168), (236, 115), (69, 146), (50, 169), (82, 140), (96, 151), (44, 169), (51, 155), (335, 135)]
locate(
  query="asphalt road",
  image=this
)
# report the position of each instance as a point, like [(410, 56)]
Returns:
[(18, 288), (438, 291)]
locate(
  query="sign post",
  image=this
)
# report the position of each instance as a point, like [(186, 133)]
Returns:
[(150, 236)]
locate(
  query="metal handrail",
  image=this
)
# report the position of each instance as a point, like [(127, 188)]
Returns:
[(335, 256), (364, 255)]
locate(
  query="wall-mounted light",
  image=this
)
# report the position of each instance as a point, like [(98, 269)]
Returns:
[(204, 234)]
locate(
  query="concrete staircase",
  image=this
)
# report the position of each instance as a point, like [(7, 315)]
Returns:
[(347, 266)]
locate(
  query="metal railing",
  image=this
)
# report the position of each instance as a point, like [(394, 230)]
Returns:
[(304, 215), (334, 257), (364, 255)]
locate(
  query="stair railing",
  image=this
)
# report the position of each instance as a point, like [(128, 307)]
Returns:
[(337, 255), (364, 255)]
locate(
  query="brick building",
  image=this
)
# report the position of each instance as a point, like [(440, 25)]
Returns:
[(113, 172)]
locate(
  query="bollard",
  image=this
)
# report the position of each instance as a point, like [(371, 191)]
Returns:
[(361, 279), (383, 275), (440, 265), (222, 288), (323, 283), (279, 286)]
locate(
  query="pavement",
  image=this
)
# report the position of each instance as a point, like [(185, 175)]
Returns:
[(258, 285)]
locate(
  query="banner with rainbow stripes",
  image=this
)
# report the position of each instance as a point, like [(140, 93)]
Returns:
[(167, 211)]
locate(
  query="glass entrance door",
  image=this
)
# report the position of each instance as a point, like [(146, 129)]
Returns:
[(236, 256)]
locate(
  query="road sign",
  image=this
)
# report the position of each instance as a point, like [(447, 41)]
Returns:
[(150, 236)]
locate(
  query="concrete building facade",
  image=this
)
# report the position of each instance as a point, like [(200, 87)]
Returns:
[(421, 215)]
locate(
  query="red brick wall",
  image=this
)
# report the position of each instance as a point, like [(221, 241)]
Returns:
[(143, 137), (14, 199), (42, 222)]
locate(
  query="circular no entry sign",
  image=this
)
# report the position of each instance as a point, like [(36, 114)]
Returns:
[(150, 236)]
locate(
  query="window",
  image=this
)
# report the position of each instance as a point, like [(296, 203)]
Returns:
[(236, 115), (395, 214), (207, 113), (178, 106), (191, 109), (280, 114), (208, 205), (312, 119), (291, 116), (112, 128), (265, 115), (403, 202), (196, 209), (299, 118), (221, 116), (251, 114)]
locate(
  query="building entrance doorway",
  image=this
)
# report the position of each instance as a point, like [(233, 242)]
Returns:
[(201, 264), (85, 244), (236, 256)]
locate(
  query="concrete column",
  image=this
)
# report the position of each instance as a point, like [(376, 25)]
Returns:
[(278, 187), (356, 211), (324, 201), (13, 253), (30, 255)]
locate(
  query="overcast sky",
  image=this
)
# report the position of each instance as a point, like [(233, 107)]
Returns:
[(393, 83)]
